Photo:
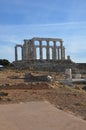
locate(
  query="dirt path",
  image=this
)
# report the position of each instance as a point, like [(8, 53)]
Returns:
[(37, 116)]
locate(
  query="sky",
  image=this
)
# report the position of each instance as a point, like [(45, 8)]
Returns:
[(25, 19)]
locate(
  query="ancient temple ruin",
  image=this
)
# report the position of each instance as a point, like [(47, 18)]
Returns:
[(41, 49), (42, 54)]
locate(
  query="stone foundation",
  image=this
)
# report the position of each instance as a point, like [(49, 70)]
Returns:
[(58, 66)]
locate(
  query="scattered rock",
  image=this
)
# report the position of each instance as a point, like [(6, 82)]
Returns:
[(8, 99), (49, 78), (5, 85), (0, 98), (3, 94), (84, 88)]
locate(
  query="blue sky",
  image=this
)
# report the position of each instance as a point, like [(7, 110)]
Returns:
[(24, 19)]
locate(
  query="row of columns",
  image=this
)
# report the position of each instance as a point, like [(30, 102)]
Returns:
[(55, 50), (48, 54)]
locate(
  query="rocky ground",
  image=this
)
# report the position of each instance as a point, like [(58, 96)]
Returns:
[(16, 88)]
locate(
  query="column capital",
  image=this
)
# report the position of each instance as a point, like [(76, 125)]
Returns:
[(61, 43), (47, 41), (40, 40)]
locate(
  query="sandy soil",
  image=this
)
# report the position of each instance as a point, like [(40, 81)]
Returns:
[(14, 89)]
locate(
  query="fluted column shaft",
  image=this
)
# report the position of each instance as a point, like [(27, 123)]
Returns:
[(48, 55), (16, 57), (61, 45), (54, 50), (58, 54), (40, 50)]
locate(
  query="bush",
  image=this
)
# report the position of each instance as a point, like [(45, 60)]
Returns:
[(4, 62)]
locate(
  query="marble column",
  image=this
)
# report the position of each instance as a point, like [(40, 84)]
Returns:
[(54, 51), (61, 45), (47, 49), (35, 53), (22, 52), (58, 54), (16, 56), (40, 50), (63, 54)]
